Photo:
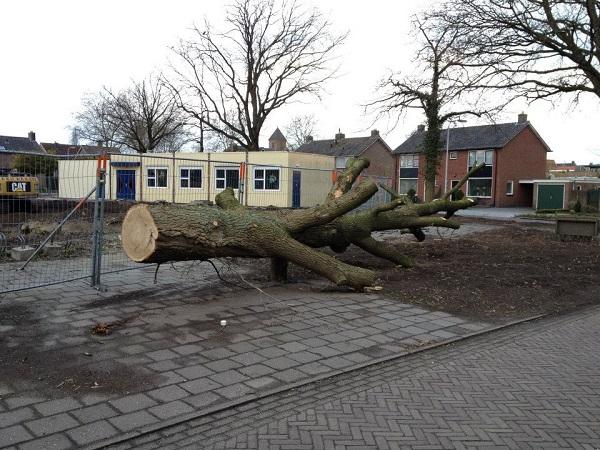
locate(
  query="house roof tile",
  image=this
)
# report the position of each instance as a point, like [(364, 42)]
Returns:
[(339, 147), (469, 138), (55, 148), (277, 135), (20, 144)]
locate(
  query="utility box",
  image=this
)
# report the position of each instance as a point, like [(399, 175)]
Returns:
[(576, 228)]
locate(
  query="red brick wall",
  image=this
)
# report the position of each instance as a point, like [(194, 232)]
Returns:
[(383, 163), (523, 158)]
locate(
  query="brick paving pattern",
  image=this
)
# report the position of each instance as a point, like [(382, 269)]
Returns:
[(530, 386), (168, 358)]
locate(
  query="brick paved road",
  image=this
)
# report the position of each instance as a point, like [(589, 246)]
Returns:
[(532, 386), (167, 357)]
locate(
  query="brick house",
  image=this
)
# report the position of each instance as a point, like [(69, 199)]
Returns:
[(10, 146), (514, 154), (373, 147)]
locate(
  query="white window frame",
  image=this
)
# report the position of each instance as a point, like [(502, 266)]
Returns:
[(155, 177), (343, 159), (264, 169), (409, 179), (512, 187), (480, 196), (485, 154), (478, 153), (409, 161), (226, 168), (453, 155), (189, 178)]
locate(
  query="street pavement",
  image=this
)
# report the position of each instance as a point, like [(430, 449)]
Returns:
[(534, 385), (167, 357), (482, 212)]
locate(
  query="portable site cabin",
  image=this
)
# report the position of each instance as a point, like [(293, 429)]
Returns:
[(563, 193), (282, 179)]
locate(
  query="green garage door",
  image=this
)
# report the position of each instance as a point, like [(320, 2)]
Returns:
[(550, 196)]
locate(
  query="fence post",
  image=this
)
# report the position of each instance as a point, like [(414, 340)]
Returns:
[(173, 179), (98, 226), (242, 180), (246, 180)]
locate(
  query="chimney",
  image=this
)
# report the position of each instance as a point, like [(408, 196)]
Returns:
[(339, 135), (522, 118), (31, 136), (420, 128), (374, 133), (308, 139), (100, 143)]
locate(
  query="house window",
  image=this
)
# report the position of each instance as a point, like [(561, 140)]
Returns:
[(340, 162), (509, 188), (157, 177), (406, 184), (480, 183), (480, 187), (453, 155), (481, 156), (409, 161), (266, 179), (190, 177), (227, 177)]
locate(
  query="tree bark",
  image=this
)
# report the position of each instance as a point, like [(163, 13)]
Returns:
[(159, 232)]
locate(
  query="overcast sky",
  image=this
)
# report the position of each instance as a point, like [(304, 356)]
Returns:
[(55, 51)]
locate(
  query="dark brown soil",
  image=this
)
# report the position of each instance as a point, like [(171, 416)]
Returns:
[(507, 273)]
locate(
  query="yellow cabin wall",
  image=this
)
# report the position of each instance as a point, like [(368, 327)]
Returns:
[(314, 183), (76, 178)]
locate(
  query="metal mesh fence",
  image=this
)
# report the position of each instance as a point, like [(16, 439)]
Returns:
[(38, 192), (31, 208)]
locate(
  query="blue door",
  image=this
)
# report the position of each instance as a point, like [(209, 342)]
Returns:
[(126, 184), (296, 182)]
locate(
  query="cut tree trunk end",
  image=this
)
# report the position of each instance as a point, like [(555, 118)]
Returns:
[(160, 232)]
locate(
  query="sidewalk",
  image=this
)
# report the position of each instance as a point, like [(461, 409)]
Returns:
[(534, 385), (167, 356)]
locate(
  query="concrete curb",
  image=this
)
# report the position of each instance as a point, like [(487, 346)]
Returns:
[(253, 397)]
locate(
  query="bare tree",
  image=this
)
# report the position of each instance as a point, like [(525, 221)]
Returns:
[(443, 85), (146, 116), (539, 48), (143, 118), (299, 129), (93, 124), (268, 55)]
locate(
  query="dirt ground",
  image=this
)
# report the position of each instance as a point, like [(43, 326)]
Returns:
[(511, 271)]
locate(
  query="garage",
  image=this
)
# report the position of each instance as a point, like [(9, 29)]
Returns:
[(550, 196)]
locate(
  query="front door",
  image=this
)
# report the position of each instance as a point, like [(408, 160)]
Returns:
[(296, 182), (125, 184)]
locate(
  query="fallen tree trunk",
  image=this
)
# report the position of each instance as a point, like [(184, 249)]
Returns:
[(158, 233)]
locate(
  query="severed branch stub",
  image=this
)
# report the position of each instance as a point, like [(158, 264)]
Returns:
[(158, 233)]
